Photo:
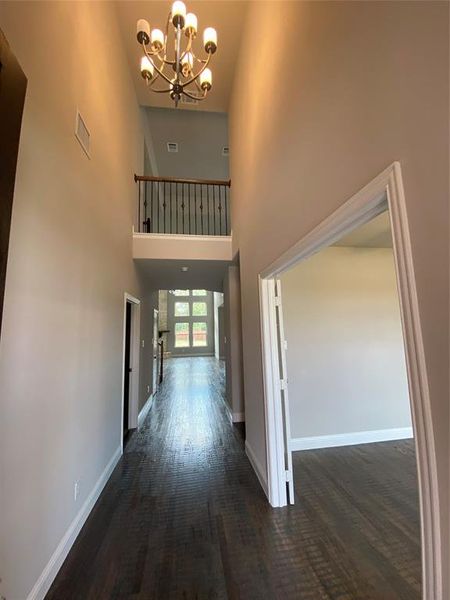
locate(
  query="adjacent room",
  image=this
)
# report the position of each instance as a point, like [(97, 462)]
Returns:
[(349, 410)]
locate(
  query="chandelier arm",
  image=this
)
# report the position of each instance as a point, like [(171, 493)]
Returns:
[(163, 75), (194, 97), (194, 77), (162, 91), (151, 83)]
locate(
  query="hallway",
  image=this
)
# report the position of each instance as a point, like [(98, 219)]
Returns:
[(183, 515)]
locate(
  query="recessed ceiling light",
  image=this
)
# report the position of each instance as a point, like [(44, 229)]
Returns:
[(184, 269)]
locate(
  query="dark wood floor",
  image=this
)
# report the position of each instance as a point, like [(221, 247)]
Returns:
[(183, 515)]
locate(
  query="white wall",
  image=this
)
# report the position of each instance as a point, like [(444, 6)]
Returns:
[(345, 357), (70, 262), (369, 85)]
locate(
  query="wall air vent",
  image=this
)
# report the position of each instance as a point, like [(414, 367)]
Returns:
[(82, 134), (226, 151), (172, 147)]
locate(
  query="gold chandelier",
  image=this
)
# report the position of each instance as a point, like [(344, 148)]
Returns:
[(177, 70)]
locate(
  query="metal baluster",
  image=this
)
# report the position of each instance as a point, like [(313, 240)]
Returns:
[(214, 210), (195, 207), (151, 207), (139, 207), (201, 206), (164, 207), (220, 210), (209, 205), (145, 208), (176, 203), (189, 208), (226, 210), (157, 200), (170, 211), (182, 202)]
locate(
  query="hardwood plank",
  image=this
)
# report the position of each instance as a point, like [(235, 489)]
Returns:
[(183, 515)]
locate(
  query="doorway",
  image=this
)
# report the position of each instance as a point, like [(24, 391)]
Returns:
[(13, 85), (385, 192), (190, 321), (128, 369), (131, 358)]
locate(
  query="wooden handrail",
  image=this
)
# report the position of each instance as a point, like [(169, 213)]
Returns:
[(227, 183)]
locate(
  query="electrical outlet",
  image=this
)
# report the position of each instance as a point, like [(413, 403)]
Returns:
[(143, 343), (148, 389), (76, 490)]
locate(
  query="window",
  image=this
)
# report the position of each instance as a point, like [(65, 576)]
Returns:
[(182, 309), (181, 292), (199, 292), (182, 335), (199, 309), (199, 334)]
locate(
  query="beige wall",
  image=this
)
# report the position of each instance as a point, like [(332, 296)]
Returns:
[(233, 348), (345, 353), (342, 90), (69, 266), (149, 301)]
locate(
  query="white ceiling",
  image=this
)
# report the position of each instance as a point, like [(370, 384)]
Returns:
[(200, 137), (374, 234), (226, 16), (167, 274)]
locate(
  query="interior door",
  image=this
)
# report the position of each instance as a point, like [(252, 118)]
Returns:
[(190, 318), (127, 370), (13, 85), (155, 350), (282, 347)]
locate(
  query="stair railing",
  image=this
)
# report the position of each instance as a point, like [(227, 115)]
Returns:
[(183, 206)]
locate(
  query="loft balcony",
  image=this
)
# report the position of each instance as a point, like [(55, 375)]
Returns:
[(182, 219)]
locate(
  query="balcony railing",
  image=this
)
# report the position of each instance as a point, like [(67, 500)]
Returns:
[(183, 206)]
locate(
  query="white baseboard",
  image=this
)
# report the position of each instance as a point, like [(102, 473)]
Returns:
[(350, 439), (228, 409), (50, 571), (257, 468), (144, 411), (237, 417)]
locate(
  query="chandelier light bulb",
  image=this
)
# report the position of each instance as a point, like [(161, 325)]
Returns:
[(206, 80), (147, 68), (157, 39), (210, 40), (143, 31), (178, 14), (191, 25)]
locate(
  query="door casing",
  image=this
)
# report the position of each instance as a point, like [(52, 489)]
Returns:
[(384, 192), (13, 84), (135, 348)]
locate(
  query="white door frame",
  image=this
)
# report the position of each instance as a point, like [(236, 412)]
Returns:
[(135, 348), (385, 191), (155, 351)]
